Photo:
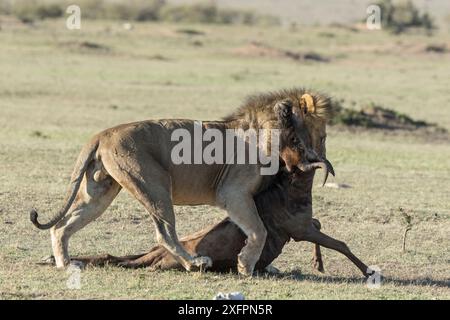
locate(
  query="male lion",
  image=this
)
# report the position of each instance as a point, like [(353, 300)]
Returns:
[(137, 157)]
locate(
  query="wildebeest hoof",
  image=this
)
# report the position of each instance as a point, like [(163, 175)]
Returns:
[(48, 260), (318, 265), (272, 270), (128, 265), (200, 263)]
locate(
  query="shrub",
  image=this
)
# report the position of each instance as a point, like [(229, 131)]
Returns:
[(208, 13), (371, 116), (51, 10), (133, 10), (33, 10), (200, 13), (5, 7), (138, 10), (404, 15)]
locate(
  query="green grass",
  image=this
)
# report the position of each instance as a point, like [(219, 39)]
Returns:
[(55, 93)]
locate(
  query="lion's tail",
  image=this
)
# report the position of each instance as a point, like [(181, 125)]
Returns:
[(85, 157)]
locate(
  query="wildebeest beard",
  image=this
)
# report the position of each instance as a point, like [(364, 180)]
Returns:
[(285, 207)]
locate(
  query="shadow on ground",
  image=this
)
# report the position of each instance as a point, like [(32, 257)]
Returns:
[(299, 276)]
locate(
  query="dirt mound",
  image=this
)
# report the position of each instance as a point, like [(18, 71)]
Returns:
[(191, 32), (373, 116), (86, 47), (437, 48), (258, 49)]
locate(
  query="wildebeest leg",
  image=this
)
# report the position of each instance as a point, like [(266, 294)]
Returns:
[(104, 259), (151, 185), (317, 237), (221, 242), (91, 201), (317, 254), (158, 258)]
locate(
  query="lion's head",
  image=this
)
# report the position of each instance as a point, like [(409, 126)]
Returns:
[(301, 115)]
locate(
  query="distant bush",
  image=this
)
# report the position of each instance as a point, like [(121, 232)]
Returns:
[(374, 116), (134, 10), (30, 10), (436, 48), (5, 7), (404, 15), (189, 13), (208, 13)]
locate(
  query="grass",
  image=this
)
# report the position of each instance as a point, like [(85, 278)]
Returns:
[(56, 93)]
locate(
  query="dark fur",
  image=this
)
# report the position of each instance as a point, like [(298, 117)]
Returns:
[(263, 103)]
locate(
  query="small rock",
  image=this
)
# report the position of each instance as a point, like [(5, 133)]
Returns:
[(335, 185), (48, 260), (229, 296), (76, 264), (127, 26)]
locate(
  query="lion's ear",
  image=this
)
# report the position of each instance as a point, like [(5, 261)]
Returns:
[(283, 111), (307, 103)]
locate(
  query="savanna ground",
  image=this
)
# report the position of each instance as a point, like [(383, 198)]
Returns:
[(59, 87)]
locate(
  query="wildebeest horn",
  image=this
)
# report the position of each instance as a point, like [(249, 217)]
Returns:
[(330, 167), (325, 165)]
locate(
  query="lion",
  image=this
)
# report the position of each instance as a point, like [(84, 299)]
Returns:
[(138, 157)]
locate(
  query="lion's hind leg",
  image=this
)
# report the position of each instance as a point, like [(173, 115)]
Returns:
[(91, 201), (151, 185)]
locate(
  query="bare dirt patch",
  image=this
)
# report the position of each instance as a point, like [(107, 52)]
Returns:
[(259, 49), (86, 47), (400, 47), (190, 32)]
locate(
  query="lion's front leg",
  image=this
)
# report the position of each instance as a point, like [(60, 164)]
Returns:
[(243, 212)]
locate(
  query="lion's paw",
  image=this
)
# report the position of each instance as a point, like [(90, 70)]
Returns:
[(245, 270)]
